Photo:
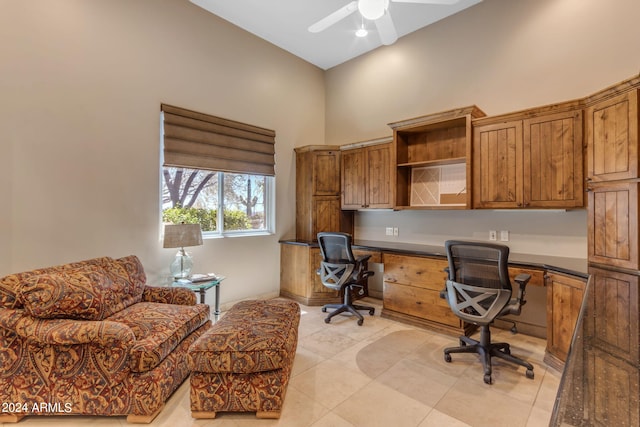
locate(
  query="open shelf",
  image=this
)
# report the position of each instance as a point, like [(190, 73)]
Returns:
[(430, 142)]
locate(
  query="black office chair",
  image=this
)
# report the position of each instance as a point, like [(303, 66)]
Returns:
[(341, 271), (478, 291)]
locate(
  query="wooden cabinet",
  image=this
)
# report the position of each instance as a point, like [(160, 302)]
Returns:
[(433, 158), (612, 136), (318, 192), (367, 173), (613, 226), (612, 348), (497, 165), (299, 280), (528, 160), (412, 286), (564, 300), (613, 323)]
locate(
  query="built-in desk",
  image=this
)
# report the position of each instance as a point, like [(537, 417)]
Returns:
[(413, 276)]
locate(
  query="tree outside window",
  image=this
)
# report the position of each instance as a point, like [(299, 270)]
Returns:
[(238, 201)]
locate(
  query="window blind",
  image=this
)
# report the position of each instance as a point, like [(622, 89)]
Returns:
[(200, 141)]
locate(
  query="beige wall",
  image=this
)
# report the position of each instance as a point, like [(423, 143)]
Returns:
[(503, 56), (81, 87)]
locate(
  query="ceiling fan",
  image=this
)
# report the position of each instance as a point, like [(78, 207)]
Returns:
[(373, 10)]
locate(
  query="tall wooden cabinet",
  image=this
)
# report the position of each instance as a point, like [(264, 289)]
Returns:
[(612, 176), (531, 159), (367, 171), (318, 192)]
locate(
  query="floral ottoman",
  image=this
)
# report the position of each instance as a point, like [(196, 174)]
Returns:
[(243, 362)]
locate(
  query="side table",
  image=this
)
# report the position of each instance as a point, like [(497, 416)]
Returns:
[(202, 287)]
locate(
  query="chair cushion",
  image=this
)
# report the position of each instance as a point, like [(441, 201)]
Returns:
[(158, 329), (86, 293), (253, 336)]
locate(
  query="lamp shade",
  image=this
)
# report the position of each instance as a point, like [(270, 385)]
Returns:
[(182, 235)]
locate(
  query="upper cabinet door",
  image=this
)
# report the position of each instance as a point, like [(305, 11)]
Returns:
[(497, 165), (612, 137), (553, 161), (353, 178), (380, 173), (326, 173)]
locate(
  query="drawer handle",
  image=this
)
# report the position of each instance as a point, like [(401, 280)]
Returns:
[(419, 302)]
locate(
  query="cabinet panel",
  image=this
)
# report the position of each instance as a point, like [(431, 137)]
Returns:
[(564, 300), (380, 170), (419, 302), (326, 174), (612, 138), (613, 224), (353, 179), (553, 161), (417, 271), (612, 392), (613, 321), (497, 162), (326, 214)]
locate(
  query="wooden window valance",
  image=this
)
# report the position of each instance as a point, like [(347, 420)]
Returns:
[(199, 141)]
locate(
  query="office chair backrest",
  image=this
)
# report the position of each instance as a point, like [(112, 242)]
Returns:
[(478, 264), (336, 247), (478, 285), (338, 263)]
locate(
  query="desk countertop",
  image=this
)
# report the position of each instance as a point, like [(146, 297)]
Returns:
[(573, 266)]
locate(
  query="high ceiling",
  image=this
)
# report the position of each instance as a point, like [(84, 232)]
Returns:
[(285, 22)]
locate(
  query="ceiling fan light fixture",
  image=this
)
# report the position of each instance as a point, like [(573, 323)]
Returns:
[(372, 9), (362, 32)]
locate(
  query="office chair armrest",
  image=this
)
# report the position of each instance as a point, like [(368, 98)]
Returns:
[(522, 279), (363, 258)]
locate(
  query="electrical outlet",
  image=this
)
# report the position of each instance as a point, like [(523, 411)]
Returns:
[(389, 231), (396, 232), (493, 235), (504, 235)]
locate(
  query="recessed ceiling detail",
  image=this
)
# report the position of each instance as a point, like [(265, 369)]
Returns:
[(324, 32)]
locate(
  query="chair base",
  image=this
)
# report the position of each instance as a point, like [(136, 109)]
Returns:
[(486, 349), (350, 308)]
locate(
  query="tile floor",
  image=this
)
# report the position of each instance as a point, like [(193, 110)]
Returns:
[(383, 373)]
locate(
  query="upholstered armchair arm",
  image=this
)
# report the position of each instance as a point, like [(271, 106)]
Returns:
[(66, 331), (169, 295)]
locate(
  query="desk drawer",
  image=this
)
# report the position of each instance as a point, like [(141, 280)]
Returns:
[(418, 302), (421, 272)]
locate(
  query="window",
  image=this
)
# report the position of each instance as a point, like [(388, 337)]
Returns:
[(222, 203), (218, 173)]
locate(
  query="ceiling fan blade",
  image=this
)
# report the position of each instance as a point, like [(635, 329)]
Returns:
[(427, 1), (386, 29), (336, 16)]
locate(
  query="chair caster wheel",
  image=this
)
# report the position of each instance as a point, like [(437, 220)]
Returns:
[(360, 322), (324, 309), (529, 374), (371, 312), (463, 343), (447, 358), (327, 320), (487, 378)]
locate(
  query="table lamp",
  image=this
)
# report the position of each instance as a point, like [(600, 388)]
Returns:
[(181, 236)]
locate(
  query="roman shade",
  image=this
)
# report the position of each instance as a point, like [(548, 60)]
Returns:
[(200, 141)]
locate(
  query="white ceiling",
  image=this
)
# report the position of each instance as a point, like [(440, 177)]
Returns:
[(284, 23)]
